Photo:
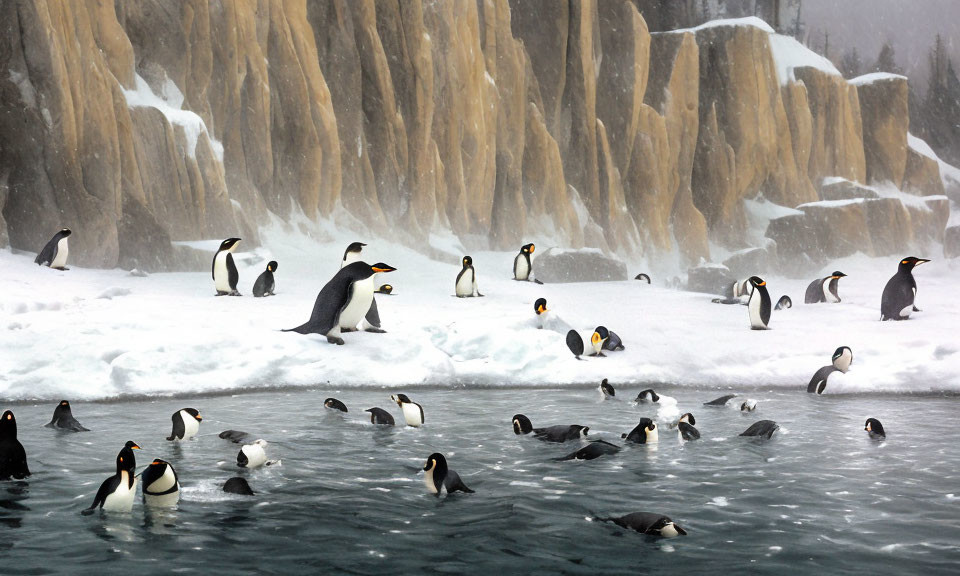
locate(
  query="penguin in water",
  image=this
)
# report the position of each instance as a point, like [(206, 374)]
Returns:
[(334, 404), (643, 433), (412, 412), (642, 276), (647, 395), (237, 485), (235, 436), (686, 427), (749, 405), (824, 289), (761, 429), (606, 389), (875, 429), (252, 455), (721, 401), (55, 252), (591, 451), (343, 301), (265, 284), (900, 293), (842, 358), (352, 254), (438, 477), (63, 419), (380, 416), (759, 304), (559, 434), (783, 303), (522, 267), (597, 340), (186, 424), (13, 458), (648, 523), (117, 492), (224, 270), (466, 286), (161, 486)]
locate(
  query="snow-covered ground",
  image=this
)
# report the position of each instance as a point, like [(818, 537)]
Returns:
[(88, 334)]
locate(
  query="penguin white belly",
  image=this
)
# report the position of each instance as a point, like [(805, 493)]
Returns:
[(653, 436), (754, 306), (429, 483), (466, 284), (521, 267), (256, 456), (411, 413), (350, 259), (121, 500), (359, 304), (162, 484), (827, 294), (221, 277), (60, 260), (669, 531), (190, 425)]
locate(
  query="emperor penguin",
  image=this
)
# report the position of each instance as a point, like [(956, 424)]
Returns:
[(761, 429), (371, 321), (186, 424), (224, 271), (824, 289), (900, 292), (265, 284), (13, 458), (759, 304), (559, 434), (380, 416), (343, 301), (412, 412), (597, 341), (648, 523), (63, 419), (842, 358), (117, 492), (467, 280), (55, 252), (591, 451), (439, 478), (521, 263), (252, 455), (161, 486), (352, 254), (643, 433), (874, 428)]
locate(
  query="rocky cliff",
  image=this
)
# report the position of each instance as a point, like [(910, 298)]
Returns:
[(144, 121)]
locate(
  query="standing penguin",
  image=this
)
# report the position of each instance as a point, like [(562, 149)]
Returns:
[(412, 412), (352, 253), (759, 304), (117, 492), (521, 264), (161, 486), (900, 292), (186, 424), (842, 358), (13, 458), (64, 420), (265, 285), (55, 253), (437, 477), (824, 289), (224, 271), (467, 280)]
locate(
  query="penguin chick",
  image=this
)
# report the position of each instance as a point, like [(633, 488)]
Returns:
[(265, 283)]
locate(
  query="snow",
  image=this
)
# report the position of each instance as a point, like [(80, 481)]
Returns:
[(875, 77), (832, 203), (884, 190), (948, 173), (749, 21), (790, 54), (93, 334)]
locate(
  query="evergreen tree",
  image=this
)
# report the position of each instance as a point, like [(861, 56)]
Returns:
[(851, 65), (887, 60), (938, 114)]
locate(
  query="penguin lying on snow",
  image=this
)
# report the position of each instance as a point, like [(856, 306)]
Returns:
[(335, 404), (761, 429), (161, 486), (759, 304), (117, 492), (591, 451), (466, 285), (647, 523), (875, 428), (560, 433), (824, 289), (13, 458), (265, 284), (186, 424), (606, 389), (237, 485), (522, 267), (224, 270), (438, 477), (643, 433), (380, 416), (842, 358), (598, 342), (900, 293), (412, 412), (64, 420), (55, 252)]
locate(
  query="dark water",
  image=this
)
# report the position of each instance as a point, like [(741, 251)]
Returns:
[(347, 498)]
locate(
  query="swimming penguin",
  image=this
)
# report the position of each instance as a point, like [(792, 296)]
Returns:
[(759, 304), (335, 404), (412, 412), (237, 485), (687, 430), (186, 424), (749, 405), (591, 451), (13, 458), (224, 271), (467, 280), (647, 395), (612, 342), (117, 492), (235, 436), (642, 276), (343, 301), (521, 264), (252, 455), (380, 416), (875, 428), (437, 477), (384, 289), (643, 433), (761, 429), (783, 303), (560, 433), (352, 254), (55, 253), (265, 285), (648, 523), (900, 293), (721, 401), (842, 358), (161, 487), (824, 289), (607, 389), (64, 420)]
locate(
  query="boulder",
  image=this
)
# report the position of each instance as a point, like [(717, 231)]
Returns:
[(889, 226), (951, 242), (557, 265), (709, 278), (841, 189), (748, 262), (929, 219)]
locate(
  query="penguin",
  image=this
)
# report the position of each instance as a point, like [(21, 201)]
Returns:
[(749, 405), (875, 428), (613, 342), (223, 269), (643, 433), (642, 276), (842, 358), (783, 303), (265, 285), (117, 492), (559, 434), (13, 458), (721, 401), (466, 286), (759, 304), (352, 254), (606, 389), (597, 340), (161, 486), (55, 253), (64, 420), (343, 301), (731, 295), (648, 523), (686, 427), (412, 412), (437, 477), (186, 424), (252, 455), (384, 289), (900, 293), (237, 485), (380, 416), (824, 289), (575, 344), (761, 429), (334, 404), (591, 451), (647, 395), (540, 309), (521, 264), (235, 436)]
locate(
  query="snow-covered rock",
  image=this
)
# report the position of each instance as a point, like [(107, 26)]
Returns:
[(585, 265)]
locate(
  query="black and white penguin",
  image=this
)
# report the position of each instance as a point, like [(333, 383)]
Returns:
[(55, 252), (252, 455), (761, 429), (642, 276), (352, 254), (235, 436), (612, 342), (749, 405), (721, 401), (686, 427), (384, 289), (13, 458), (224, 270), (237, 485), (343, 302), (380, 416), (606, 389), (648, 523), (759, 304), (597, 340), (643, 433), (63, 419), (824, 289), (466, 286), (875, 428), (265, 284), (900, 293), (186, 424), (412, 412), (334, 404), (646, 396), (438, 477), (591, 451), (783, 303), (842, 358), (521, 264), (559, 434), (540, 309), (161, 486), (117, 492)]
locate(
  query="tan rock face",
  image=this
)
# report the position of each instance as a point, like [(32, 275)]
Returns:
[(883, 109), (921, 175)]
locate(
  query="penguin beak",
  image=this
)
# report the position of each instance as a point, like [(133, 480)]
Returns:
[(920, 261), (595, 338), (541, 309), (762, 284), (532, 248), (135, 447), (387, 269), (199, 418)]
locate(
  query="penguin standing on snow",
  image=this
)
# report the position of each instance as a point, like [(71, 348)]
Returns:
[(842, 358), (467, 280), (352, 254), (371, 322), (55, 252), (438, 477), (64, 420), (824, 289), (759, 304), (224, 270), (186, 424), (412, 412), (265, 285), (117, 492), (521, 264), (161, 487), (13, 458), (901, 291)]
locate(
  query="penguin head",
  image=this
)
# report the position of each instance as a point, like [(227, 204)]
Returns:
[(756, 281), (874, 427), (400, 399), (125, 459), (354, 247), (837, 275), (467, 261), (65, 232), (666, 528), (385, 289), (521, 424), (229, 244), (689, 419), (842, 358), (527, 248), (272, 266), (642, 276), (154, 471), (436, 464), (62, 408), (583, 430), (381, 267), (910, 262), (8, 425), (193, 412), (540, 306), (748, 406), (648, 395)]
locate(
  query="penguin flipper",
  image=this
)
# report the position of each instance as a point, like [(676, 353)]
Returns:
[(260, 286), (108, 487), (453, 483), (373, 315), (232, 275), (178, 428), (688, 432), (48, 254), (575, 343)]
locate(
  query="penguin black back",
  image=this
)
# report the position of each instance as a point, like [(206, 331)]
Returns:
[(875, 428), (897, 301), (335, 404), (380, 416), (640, 432), (647, 523), (591, 451), (237, 485), (521, 424), (265, 284), (63, 419), (761, 429), (13, 458), (575, 343), (49, 253), (642, 276)]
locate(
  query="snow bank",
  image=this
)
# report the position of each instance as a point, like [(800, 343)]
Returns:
[(875, 77), (748, 21), (790, 54)]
